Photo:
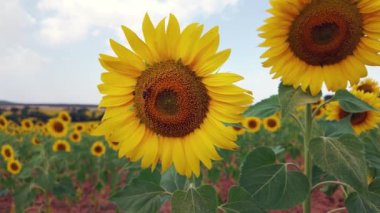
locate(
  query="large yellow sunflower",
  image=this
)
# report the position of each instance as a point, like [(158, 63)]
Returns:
[(56, 127), (3, 122), (362, 121), (164, 102), (7, 152), (14, 166), (312, 42), (98, 149), (368, 85), (61, 146)]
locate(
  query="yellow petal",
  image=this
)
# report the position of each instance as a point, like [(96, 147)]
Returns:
[(138, 45), (221, 79), (127, 56), (112, 101), (213, 63), (118, 80), (112, 90)]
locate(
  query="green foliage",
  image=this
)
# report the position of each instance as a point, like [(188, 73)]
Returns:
[(341, 157), (172, 181), (369, 203), (240, 201), (195, 200), (349, 103), (264, 108)]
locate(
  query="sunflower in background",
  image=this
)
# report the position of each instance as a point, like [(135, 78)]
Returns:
[(98, 149), (320, 113), (64, 116), (252, 124), (368, 86), (272, 123), (238, 130), (3, 122), (79, 127), (114, 145), (7, 152), (35, 141), (56, 127), (312, 42), (75, 136), (61, 146), (27, 125), (14, 166), (361, 121), (163, 100)]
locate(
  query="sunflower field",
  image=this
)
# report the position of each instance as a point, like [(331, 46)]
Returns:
[(175, 134)]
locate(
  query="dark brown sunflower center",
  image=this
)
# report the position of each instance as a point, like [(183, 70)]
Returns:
[(98, 149), (115, 143), (8, 153), (14, 166), (358, 118), (61, 147), (58, 127), (326, 31), (65, 118), (2, 122), (36, 141), (79, 128), (366, 88), (272, 123), (252, 124), (27, 124), (170, 99), (75, 136)]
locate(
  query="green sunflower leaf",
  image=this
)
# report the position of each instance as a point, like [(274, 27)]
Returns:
[(369, 203), (194, 200), (342, 157), (372, 150), (264, 108), (140, 196), (375, 186), (240, 201), (290, 98), (172, 181), (349, 103)]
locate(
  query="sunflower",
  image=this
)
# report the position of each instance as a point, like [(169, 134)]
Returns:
[(7, 152), (56, 127), (239, 130), (79, 127), (61, 146), (112, 143), (27, 124), (35, 141), (252, 124), (164, 102), (368, 86), (312, 42), (272, 123), (3, 122), (64, 116), (361, 121), (320, 113), (98, 149), (75, 136), (14, 166)]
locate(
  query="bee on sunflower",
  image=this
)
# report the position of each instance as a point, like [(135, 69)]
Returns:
[(61, 146), (252, 124), (98, 149), (163, 97), (272, 123), (316, 42), (56, 127), (7, 152), (14, 166)]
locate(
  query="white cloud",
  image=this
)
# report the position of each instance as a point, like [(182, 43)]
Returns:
[(72, 20)]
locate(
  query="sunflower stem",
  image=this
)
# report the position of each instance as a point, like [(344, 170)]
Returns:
[(307, 158)]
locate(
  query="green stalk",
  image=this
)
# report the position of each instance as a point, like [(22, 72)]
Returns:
[(307, 159)]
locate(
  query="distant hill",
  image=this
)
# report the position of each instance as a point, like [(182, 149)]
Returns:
[(11, 104)]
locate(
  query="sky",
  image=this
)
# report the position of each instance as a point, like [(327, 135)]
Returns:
[(50, 48)]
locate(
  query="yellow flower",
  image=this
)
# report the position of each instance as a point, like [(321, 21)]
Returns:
[(35, 141), (312, 42), (7, 152), (238, 130), (56, 127), (163, 100), (79, 127), (14, 166), (75, 137), (3, 122), (112, 143), (252, 124), (64, 116), (362, 121), (272, 123), (368, 86), (27, 124), (98, 149), (320, 113), (61, 146)]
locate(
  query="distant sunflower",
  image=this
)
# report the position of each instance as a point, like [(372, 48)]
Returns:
[(79, 127), (14, 166), (27, 124), (320, 113), (35, 141), (252, 124), (75, 136), (312, 42), (272, 123), (362, 121), (61, 146), (98, 149), (56, 127), (7, 152), (238, 130), (112, 143), (3, 122), (368, 86), (164, 102), (64, 116)]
